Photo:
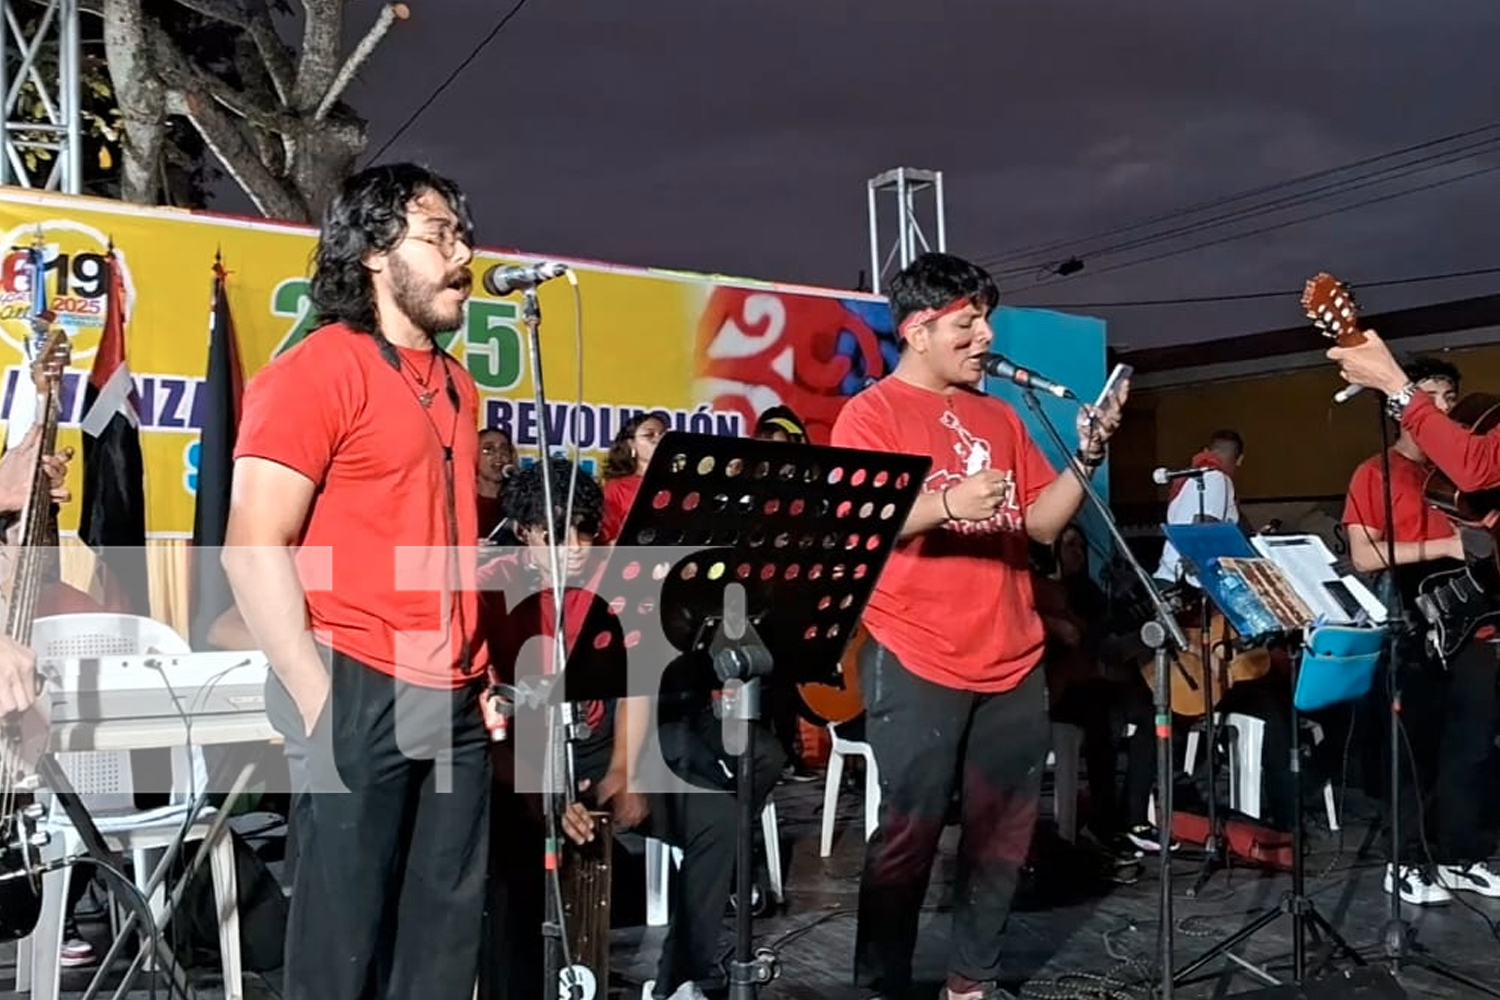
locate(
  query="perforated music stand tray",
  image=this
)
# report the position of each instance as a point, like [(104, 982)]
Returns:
[(805, 529)]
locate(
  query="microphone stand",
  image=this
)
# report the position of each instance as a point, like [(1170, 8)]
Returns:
[(1215, 857), (1156, 634), (562, 725)]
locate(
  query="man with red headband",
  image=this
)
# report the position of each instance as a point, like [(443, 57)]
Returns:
[(950, 680)]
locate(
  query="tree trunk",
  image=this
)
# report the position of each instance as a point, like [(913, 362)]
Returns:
[(141, 97)]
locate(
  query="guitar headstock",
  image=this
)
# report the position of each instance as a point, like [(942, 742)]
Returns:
[(1332, 309), (52, 358)]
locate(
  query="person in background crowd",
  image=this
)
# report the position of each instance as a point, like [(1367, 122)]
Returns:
[(626, 463), (780, 423), (1092, 687), (497, 463)]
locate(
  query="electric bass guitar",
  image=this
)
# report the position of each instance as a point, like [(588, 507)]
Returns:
[(1455, 603), (24, 738)]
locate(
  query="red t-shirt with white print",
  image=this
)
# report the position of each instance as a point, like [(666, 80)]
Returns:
[(955, 604)]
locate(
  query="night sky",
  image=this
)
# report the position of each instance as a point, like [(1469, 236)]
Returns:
[(737, 137)]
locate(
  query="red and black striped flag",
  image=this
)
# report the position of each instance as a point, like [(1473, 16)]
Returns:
[(113, 519)]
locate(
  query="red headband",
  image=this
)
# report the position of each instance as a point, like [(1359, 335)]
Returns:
[(928, 315)]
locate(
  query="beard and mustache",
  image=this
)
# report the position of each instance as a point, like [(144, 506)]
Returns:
[(422, 299)]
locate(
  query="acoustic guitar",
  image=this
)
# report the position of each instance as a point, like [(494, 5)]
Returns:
[(586, 873), (24, 739), (826, 704), (1190, 699), (1455, 603)]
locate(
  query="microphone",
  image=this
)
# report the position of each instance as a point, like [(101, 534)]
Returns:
[(1164, 475), (1347, 393), (1000, 366), (502, 280)]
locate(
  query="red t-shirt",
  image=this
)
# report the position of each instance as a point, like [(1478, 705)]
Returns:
[(1416, 521), (333, 409), (516, 614), (1471, 460), (955, 604), (619, 494)]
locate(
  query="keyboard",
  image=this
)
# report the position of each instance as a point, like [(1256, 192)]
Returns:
[(218, 696)]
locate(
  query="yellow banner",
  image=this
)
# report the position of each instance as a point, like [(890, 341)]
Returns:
[(711, 352)]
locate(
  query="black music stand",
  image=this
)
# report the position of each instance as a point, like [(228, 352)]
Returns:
[(1264, 608), (789, 542)]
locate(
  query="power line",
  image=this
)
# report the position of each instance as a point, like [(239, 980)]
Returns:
[(457, 70), (1273, 227), (1278, 293), (1318, 194), (1035, 249)]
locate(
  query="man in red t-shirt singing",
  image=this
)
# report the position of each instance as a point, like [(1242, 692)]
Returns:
[(1449, 715), (950, 681), (350, 540)]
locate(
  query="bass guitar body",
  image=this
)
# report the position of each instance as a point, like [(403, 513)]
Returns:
[(23, 738), (826, 704), (1480, 413)]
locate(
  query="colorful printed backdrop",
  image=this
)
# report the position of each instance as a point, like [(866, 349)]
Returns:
[(712, 352)]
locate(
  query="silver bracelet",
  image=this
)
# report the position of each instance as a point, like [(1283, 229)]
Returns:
[(1397, 403)]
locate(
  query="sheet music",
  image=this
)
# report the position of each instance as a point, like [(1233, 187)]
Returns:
[(1309, 566)]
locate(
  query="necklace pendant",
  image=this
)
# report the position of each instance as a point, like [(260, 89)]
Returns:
[(425, 399)]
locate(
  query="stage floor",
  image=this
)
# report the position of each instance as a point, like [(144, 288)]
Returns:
[(1074, 935)]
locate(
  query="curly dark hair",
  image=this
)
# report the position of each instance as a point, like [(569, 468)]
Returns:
[(934, 280), (368, 215), (620, 462), (1420, 369), (525, 499)]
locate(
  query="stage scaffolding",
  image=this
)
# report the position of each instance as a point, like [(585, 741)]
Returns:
[(35, 34), (902, 186)]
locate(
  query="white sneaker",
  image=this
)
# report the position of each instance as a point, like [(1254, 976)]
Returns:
[(687, 991), (1418, 887), (1476, 878)]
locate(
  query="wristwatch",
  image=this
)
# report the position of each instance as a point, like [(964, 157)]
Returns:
[(1397, 403)]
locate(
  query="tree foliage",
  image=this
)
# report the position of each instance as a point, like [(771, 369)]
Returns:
[(179, 92)]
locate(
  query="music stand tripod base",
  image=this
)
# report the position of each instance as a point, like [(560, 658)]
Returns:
[(786, 544), (1296, 903)]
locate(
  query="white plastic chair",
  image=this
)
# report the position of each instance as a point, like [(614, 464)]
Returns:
[(662, 857), (1245, 763), (1067, 749), (105, 785)]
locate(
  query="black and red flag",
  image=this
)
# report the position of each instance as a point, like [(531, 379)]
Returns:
[(219, 403), (113, 519)]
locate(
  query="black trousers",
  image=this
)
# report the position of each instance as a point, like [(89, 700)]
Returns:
[(928, 741), (704, 825), (1448, 723), (1102, 708), (391, 831)]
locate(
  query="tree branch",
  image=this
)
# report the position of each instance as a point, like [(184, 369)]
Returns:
[(272, 197), (388, 16), (220, 10), (279, 65), (319, 60)]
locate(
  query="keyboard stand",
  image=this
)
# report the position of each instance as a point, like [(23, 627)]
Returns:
[(97, 848)]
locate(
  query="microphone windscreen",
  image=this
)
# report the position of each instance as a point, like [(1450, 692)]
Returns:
[(1160, 476)]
